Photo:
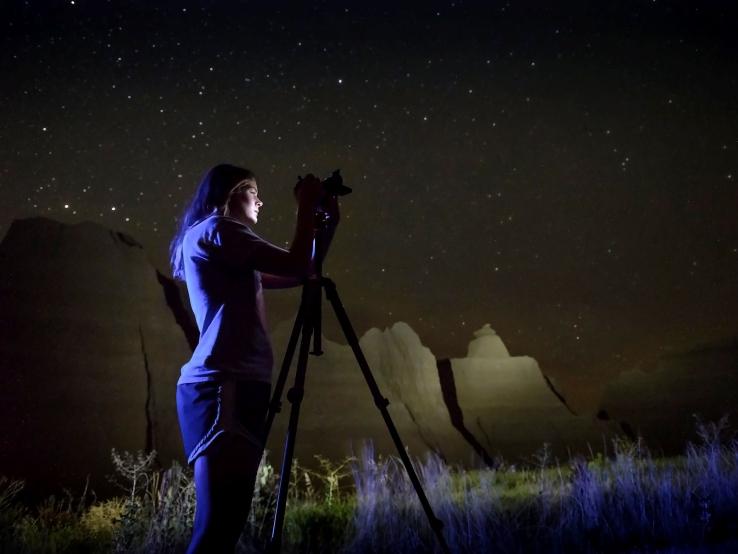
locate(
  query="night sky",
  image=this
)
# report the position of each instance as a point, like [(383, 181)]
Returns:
[(567, 173)]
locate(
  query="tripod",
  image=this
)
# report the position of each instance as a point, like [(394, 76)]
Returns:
[(308, 324)]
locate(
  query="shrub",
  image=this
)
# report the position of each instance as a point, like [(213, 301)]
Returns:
[(101, 520)]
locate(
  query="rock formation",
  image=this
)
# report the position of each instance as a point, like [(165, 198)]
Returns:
[(661, 404), (92, 339), (509, 407), (338, 415), (90, 353)]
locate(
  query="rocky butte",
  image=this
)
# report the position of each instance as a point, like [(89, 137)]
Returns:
[(92, 338), (88, 348)]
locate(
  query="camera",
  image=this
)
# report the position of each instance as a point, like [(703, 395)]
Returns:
[(332, 186)]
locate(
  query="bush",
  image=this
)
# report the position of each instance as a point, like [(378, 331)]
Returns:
[(101, 520)]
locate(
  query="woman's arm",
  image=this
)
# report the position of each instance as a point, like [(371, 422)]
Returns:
[(298, 261), (271, 281), (238, 246)]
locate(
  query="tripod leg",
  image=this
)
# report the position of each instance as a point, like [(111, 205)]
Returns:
[(382, 403), (275, 406), (318, 334), (295, 396)]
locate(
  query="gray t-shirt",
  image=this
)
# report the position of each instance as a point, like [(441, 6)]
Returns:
[(222, 258)]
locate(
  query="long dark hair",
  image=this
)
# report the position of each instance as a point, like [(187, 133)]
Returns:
[(211, 195)]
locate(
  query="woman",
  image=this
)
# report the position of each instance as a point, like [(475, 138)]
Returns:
[(223, 391)]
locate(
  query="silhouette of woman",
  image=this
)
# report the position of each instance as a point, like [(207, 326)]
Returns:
[(223, 391)]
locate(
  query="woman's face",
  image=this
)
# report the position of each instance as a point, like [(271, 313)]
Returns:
[(244, 203)]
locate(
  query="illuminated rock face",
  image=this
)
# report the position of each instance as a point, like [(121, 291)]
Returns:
[(410, 372), (487, 344), (468, 410), (90, 353), (510, 407), (338, 415)]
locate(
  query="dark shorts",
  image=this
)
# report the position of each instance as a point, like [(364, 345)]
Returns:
[(210, 409)]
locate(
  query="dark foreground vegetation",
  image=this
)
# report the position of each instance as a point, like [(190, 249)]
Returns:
[(630, 502)]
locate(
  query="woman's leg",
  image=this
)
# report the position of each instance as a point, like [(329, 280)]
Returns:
[(224, 484)]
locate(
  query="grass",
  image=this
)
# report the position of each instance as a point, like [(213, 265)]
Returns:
[(629, 502)]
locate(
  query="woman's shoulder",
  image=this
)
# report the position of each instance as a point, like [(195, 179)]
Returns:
[(226, 224), (217, 227), (215, 221)]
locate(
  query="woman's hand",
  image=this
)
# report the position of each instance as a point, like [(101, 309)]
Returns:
[(308, 190)]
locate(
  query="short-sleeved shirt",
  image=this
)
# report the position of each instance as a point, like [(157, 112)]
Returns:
[(221, 256)]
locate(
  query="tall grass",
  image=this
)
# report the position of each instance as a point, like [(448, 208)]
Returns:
[(630, 502)]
